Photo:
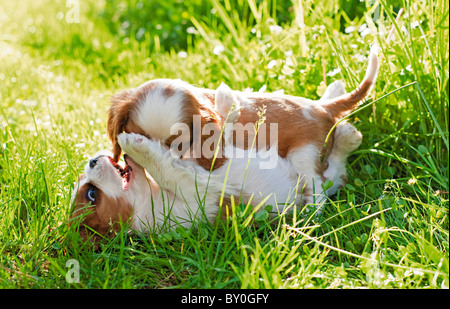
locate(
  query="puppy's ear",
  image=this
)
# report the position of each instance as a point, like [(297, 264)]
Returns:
[(211, 127), (121, 105)]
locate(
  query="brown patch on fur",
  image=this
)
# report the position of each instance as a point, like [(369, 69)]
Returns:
[(131, 127), (211, 119), (104, 217), (226, 210), (294, 129), (121, 105), (168, 91), (307, 191), (342, 105)]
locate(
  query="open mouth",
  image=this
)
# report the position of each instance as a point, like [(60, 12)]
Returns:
[(125, 172)]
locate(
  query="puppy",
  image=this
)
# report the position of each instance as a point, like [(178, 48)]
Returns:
[(156, 191), (190, 121)]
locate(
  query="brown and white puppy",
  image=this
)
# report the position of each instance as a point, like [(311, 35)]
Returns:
[(156, 191), (162, 109), (172, 192)]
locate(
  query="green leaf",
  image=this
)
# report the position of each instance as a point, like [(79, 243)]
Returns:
[(327, 185), (166, 237), (261, 215), (423, 149), (350, 187), (349, 245), (358, 182)]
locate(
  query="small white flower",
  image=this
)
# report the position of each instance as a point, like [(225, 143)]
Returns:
[(334, 72), (191, 30), (271, 64), (218, 49), (415, 24), (182, 54), (275, 29), (364, 30), (350, 29)]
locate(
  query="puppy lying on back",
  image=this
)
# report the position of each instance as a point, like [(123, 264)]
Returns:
[(156, 191), (174, 111)]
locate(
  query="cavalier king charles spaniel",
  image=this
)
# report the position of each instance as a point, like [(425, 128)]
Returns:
[(189, 150), (156, 191)]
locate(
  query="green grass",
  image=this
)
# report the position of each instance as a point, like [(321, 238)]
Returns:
[(388, 228)]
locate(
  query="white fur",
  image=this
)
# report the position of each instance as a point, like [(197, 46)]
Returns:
[(280, 182), (227, 104), (103, 177), (303, 159), (185, 180), (151, 114)]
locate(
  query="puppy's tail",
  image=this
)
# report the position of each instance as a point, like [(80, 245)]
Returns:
[(343, 104)]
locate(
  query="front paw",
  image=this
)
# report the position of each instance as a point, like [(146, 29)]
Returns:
[(131, 142), (139, 146)]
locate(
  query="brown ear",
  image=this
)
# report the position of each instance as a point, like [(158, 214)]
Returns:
[(211, 119), (121, 105)]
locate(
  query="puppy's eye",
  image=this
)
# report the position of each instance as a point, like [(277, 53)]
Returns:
[(91, 195)]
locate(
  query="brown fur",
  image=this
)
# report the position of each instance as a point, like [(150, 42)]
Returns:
[(296, 131), (293, 132), (118, 112), (226, 208), (103, 217), (208, 117), (342, 105)]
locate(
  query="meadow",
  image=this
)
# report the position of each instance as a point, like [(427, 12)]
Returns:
[(61, 61)]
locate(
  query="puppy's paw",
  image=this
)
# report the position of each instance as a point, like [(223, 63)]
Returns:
[(347, 138), (226, 103), (334, 90), (135, 145), (130, 140)]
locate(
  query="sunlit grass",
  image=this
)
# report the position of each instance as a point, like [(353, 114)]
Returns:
[(388, 228)]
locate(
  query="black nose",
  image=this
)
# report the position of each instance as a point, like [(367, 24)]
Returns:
[(93, 162)]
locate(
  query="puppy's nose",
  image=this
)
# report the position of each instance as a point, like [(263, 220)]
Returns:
[(93, 162)]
